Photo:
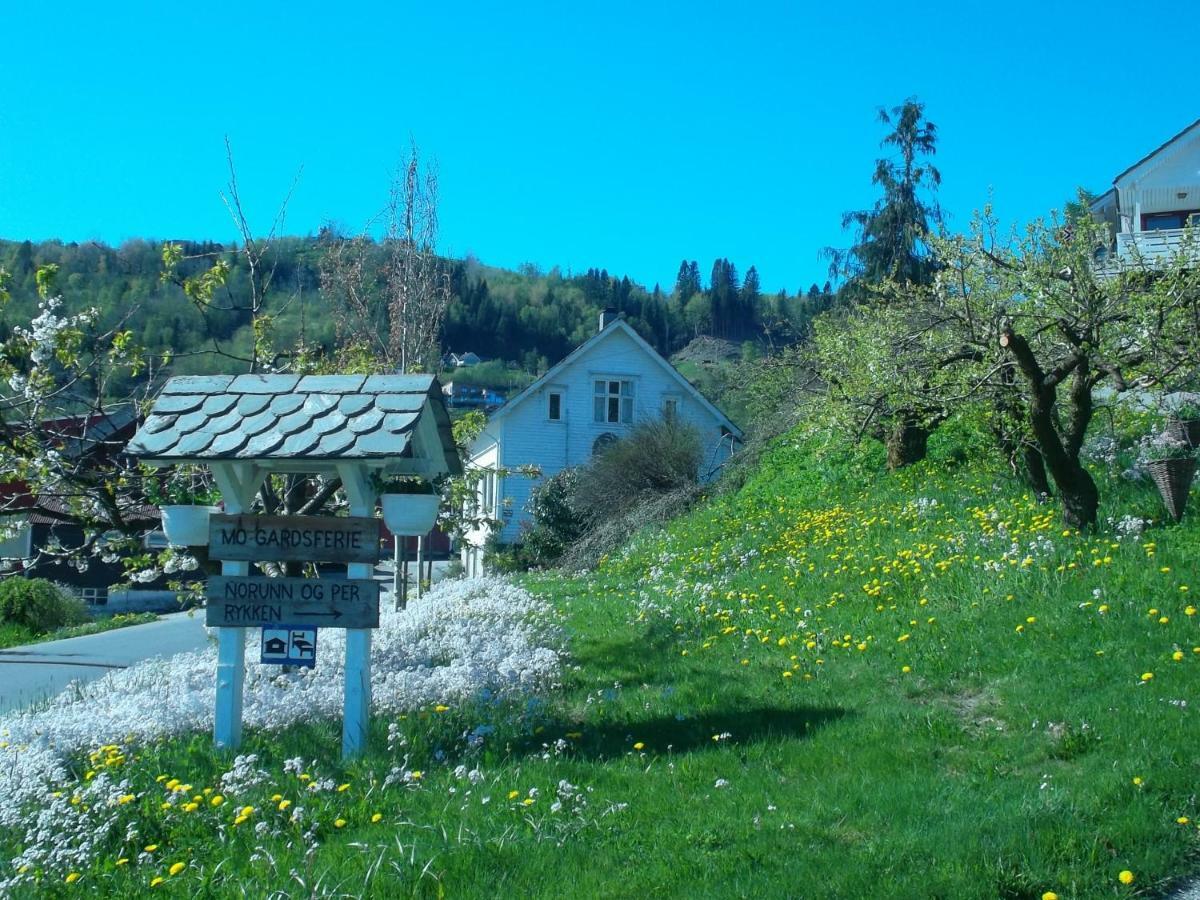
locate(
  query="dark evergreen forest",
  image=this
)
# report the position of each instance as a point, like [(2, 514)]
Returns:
[(527, 317)]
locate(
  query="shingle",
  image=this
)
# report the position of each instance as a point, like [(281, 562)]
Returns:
[(155, 423), (192, 444), (400, 402), (227, 444), (218, 404), (355, 403), (381, 443), (398, 384), (368, 421), (286, 403), (399, 422), (261, 445), (249, 404), (197, 384), (178, 403), (298, 444), (334, 443), (263, 384), (331, 384), (146, 443)]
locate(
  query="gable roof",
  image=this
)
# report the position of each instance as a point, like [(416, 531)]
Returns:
[(292, 417), (622, 326), (1158, 151)]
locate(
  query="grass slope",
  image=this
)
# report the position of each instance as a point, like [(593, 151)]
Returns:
[(13, 635), (835, 683)]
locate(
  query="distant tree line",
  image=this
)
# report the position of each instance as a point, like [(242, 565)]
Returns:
[(529, 317)]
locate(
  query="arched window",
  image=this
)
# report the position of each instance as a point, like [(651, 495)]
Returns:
[(603, 442)]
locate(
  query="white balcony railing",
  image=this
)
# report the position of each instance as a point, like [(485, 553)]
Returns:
[(1150, 247)]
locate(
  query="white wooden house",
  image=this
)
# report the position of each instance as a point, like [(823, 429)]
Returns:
[(595, 395), (1153, 201)]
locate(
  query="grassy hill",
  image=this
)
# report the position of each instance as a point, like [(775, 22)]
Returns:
[(831, 683)]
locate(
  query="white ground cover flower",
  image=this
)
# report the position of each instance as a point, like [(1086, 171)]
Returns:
[(464, 639)]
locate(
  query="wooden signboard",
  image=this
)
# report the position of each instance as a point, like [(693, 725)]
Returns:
[(238, 601), (294, 538)]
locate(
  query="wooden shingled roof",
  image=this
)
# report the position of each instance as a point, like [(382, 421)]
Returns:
[(311, 418)]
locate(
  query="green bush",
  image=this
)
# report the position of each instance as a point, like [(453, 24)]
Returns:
[(38, 604)]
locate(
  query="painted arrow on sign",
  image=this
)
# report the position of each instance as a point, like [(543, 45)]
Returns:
[(242, 600)]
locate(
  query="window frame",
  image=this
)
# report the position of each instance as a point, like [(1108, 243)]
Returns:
[(604, 397), (561, 394)]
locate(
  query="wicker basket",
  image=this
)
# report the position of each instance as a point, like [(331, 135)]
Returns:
[(1174, 480), (1186, 431)]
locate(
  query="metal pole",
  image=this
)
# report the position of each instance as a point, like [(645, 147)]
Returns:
[(420, 564)]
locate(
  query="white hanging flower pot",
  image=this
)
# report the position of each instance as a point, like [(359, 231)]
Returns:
[(186, 525), (410, 514)]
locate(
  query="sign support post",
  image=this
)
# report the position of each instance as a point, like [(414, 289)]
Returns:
[(357, 705), (238, 483)]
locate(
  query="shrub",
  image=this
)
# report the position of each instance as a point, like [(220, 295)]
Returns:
[(38, 604), (556, 522), (658, 457)]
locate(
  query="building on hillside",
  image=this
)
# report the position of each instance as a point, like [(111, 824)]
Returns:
[(595, 395), (471, 396), (32, 523), (1152, 204), (461, 360)]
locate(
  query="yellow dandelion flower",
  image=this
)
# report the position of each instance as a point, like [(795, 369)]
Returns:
[(156, 881), (528, 801), (441, 708), (284, 804), (906, 669), (176, 868), (72, 878), (1177, 655), (123, 861), (247, 811), (339, 823), (639, 746), (1147, 676), (1182, 820), (1137, 780), (513, 795), (217, 800), (150, 848), (1049, 895), (1126, 877), (377, 817)]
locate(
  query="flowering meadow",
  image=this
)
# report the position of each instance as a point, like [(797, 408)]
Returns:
[(834, 682)]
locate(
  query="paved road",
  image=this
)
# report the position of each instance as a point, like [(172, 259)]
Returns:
[(36, 671)]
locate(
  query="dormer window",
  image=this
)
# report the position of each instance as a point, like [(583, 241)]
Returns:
[(613, 401)]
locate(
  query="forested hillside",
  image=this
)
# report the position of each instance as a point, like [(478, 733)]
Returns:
[(530, 317)]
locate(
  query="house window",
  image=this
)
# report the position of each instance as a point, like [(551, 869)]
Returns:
[(488, 494), (94, 596), (554, 406), (613, 401), (1163, 220), (670, 407)]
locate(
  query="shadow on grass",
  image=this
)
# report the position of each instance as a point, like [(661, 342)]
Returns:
[(663, 734)]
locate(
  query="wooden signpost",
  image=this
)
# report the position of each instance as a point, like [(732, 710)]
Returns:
[(239, 601), (294, 538)]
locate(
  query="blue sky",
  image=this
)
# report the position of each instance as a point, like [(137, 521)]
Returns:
[(620, 135)]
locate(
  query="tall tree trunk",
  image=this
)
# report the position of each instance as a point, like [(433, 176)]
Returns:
[(1076, 489), (907, 442), (1035, 469)]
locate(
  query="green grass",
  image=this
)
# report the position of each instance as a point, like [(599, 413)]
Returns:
[(12, 635), (1001, 764)]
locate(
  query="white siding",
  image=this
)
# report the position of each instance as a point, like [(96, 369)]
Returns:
[(530, 438)]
